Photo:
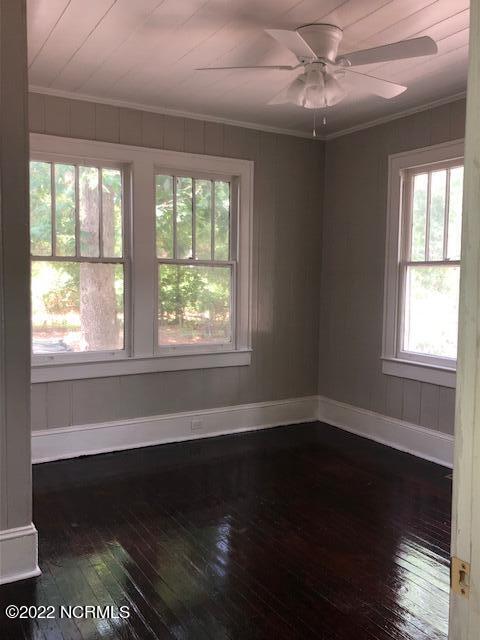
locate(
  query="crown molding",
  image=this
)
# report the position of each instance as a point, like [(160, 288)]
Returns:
[(395, 116), (71, 95)]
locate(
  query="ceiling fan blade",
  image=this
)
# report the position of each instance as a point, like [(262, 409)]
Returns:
[(413, 48), (277, 67), (293, 41), (382, 88)]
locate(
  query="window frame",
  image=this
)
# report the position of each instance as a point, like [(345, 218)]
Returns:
[(232, 262), (125, 260), (141, 354), (395, 360)]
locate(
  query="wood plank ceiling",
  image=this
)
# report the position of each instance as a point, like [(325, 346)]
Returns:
[(145, 52)]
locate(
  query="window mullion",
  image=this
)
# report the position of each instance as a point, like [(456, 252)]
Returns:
[(53, 210), (427, 218), (432, 263), (100, 212), (200, 262), (144, 284), (406, 236), (446, 216), (234, 220), (403, 319), (233, 305), (194, 215), (212, 230), (77, 211), (79, 259), (406, 221), (174, 178)]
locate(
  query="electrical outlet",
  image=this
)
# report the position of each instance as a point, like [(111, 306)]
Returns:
[(196, 423)]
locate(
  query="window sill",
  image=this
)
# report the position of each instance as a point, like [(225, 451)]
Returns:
[(130, 366), (442, 376)]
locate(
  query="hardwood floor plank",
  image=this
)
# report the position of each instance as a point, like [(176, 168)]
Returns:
[(294, 533)]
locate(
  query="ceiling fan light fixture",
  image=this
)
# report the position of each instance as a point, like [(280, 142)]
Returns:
[(296, 90), (321, 89), (334, 91)]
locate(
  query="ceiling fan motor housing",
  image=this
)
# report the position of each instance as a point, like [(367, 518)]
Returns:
[(324, 39)]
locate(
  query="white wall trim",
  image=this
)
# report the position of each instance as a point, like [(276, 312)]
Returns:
[(130, 366), (80, 440), (18, 554), (398, 434), (420, 371), (72, 95), (396, 116), (87, 439), (142, 352), (396, 257)]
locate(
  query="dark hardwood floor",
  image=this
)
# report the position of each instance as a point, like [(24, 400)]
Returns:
[(298, 532)]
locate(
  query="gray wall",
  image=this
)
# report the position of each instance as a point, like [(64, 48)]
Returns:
[(354, 229), (286, 269), (15, 466), (292, 176)]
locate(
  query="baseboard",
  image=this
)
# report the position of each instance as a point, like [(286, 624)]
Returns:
[(80, 440), (18, 554), (398, 434)]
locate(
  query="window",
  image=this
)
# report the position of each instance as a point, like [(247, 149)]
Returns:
[(78, 263), (423, 264), (196, 262), (136, 267), (430, 266)]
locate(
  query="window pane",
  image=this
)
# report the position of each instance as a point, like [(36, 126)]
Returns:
[(203, 219), (184, 217), (77, 307), (64, 210), (112, 213), (455, 213), (164, 216), (193, 304), (89, 212), (40, 209), (437, 214), (222, 220), (431, 310), (419, 216)]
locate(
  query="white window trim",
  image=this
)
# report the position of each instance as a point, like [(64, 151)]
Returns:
[(142, 355), (424, 369), (238, 328)]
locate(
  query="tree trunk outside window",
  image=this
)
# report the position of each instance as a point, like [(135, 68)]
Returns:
[(98, 309)]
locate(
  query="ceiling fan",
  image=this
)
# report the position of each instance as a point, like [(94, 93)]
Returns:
[(327, 78)]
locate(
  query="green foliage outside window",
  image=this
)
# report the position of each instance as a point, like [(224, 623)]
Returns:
[(193, 300), (76, 305)]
